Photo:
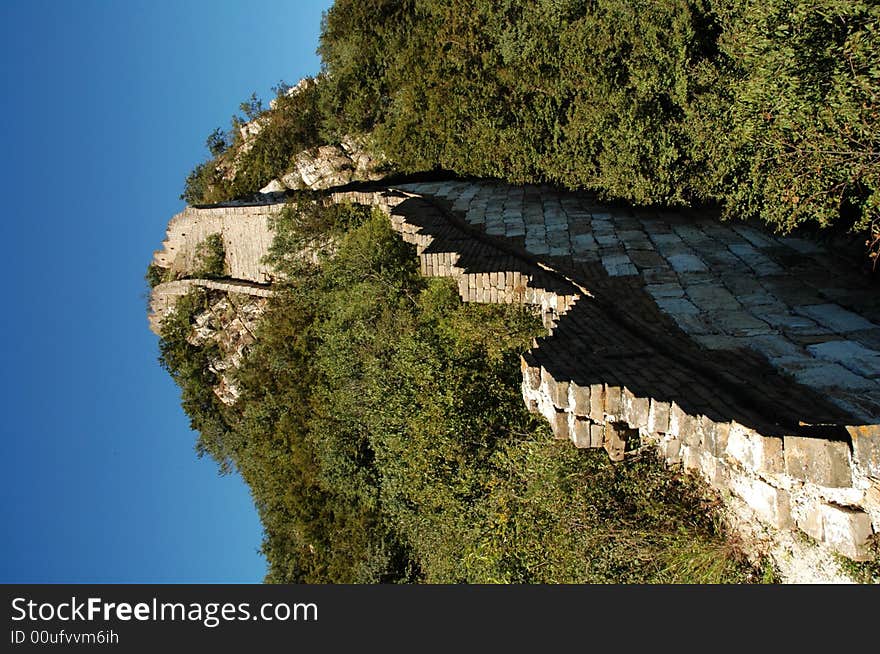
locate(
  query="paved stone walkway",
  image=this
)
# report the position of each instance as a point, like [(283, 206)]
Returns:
[(726, 285), (750, 359)]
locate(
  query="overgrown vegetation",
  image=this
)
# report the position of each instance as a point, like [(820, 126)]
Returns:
[(864, 572), (156, 275), (210, 261), (768, 107), (383, 434), (243, 164)]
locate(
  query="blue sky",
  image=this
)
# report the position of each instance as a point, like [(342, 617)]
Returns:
[(106, 107)]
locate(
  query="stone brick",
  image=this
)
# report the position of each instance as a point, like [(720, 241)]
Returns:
[(690, 457), (754, 451), (531, 374), (580, 432), (612, 402), (557, 391), (670, 450), (811, 522), (866, 448), (597, 435), (615, 441), (715, 436), (658, 417), (846, 531), (769, 503), (818, 460), (579, 399), (559, 425), (635, 409), (681, 424), (597, 402)]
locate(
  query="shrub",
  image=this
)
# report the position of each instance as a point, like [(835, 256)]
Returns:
[(210, 261)]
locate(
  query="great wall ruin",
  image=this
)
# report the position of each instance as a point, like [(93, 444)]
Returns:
[(748, 359)]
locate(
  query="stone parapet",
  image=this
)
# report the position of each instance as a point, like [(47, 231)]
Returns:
[(643, 349)]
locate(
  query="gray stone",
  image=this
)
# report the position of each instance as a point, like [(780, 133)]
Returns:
[(675, 306), (670, 450), (690, 457), (712, 298), (579, 399), (818, 460), (834, 317), (619, 265), (819, 374), (612, 401), (658, 291), (753, 451), (849, 354), (740, 323), (559, 425), (681, 423), (773, 346), (686, 263), (556, 390), (658, 417)]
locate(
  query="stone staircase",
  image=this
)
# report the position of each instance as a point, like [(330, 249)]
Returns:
[(751, 360)]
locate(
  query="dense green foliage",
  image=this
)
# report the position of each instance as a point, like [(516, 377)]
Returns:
[(155, 275), (241, 165), (383, 434), (769, 107), (210, 260), (190, 366)]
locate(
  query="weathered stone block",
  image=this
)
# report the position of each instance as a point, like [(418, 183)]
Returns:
[(866, 448), (615, 441), (770, 504), (531, 374), (693, 437), (811, 522), (681, 424), (612, 402), (579, 399), (557, 391), (559, 425), (634, 409), (722, 473), (597, 435), (846, 531), (690, 457), (819, 461), (580, 432), (715, 436), (658, 417), (597, 402), (754, 451), (670, 449)]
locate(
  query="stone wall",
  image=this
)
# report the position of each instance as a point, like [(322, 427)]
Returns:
[(799, 475), (243, 228), (163, 297)]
